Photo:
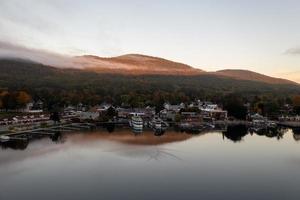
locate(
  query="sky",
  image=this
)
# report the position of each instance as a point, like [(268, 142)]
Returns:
[(258, 35)]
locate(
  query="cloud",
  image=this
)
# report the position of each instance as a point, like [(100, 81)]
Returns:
[(9, 50), (293, 51)]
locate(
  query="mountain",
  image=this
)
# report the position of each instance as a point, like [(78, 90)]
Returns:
[(18, 74), (134, 64), (251, 76)]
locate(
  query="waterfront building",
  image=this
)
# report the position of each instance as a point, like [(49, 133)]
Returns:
[(212, 111)]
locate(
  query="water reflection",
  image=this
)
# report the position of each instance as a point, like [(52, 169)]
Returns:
[(296, 131), (58, 137), (157, 137), (173, 165), (235, 133), (15, 144), (110, 127), (159, 132), (296, 134)]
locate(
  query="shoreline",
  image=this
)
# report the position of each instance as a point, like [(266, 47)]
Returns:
[(5, 130)]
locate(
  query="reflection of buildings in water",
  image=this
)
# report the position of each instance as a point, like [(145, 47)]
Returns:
[(121, 136), (22, 144), (237, 133), (15, 144), (149, 138), (269, 132)]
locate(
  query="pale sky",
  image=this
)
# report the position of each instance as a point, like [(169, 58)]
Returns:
[(258, 35)]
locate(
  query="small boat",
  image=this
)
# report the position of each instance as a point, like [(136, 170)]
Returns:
[(4, 138), (137, 123)]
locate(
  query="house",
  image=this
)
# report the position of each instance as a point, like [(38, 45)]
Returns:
[(191, 117), (33, 107), (104, 107), (176, 108), (28, 106), (169, 112), (168, 115), (126, 113), (123, 112), (38, 105), (287, 109), (212, 111), (256, 116)]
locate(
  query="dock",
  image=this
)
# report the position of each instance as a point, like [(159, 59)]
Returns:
[(289, 124), (48, 131)]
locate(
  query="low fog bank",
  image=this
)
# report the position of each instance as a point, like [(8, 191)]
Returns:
[(9, 50)]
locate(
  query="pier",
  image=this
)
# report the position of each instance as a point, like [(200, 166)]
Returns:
[(48, 131), (289, 124)]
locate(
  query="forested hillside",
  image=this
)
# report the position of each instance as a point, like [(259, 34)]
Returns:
[(74, 86)]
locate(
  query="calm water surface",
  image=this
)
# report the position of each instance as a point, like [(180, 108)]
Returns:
[(121, 165)]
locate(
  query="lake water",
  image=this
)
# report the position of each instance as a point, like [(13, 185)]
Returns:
[(121, 165)]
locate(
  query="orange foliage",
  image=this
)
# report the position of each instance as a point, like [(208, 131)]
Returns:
[(296, 101), (23, 98)]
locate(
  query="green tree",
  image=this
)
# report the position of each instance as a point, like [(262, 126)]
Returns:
[(9, 101), (111, 112), (235, 106)]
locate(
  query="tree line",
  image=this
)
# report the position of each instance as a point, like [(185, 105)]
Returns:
[(57, 88), (14, 100)]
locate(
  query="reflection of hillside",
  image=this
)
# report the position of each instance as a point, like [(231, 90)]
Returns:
[(127, 137)]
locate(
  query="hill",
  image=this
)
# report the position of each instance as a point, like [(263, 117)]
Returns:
[(252, 76), (134, 64), (37, 78)]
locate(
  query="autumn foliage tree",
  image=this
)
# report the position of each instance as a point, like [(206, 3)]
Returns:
[(14, 100), (22, 99)]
